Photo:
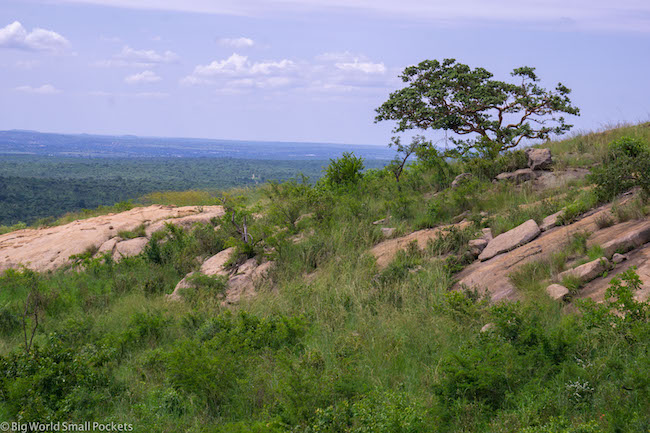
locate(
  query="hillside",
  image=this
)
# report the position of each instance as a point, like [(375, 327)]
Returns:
[(502, 295)]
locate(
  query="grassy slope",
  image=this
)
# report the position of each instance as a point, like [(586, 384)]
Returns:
[(338, 345)]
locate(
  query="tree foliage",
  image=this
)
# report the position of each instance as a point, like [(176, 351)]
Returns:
[(494, 115)]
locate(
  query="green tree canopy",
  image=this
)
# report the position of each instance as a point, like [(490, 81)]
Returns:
[(495, 115)]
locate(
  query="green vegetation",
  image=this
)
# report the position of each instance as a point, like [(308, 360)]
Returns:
[(627, 165), (37, 187), (451, 96), (331, 343)]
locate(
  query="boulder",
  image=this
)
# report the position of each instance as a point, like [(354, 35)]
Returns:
[(628, 241), (550, 221), (510, 240), (215, 264), (244, 282), (539, 159), (557, 291), (131, 247), (387, 231), (460, 179), (588, 271), (476, 246), (518, 176), (618, 258)]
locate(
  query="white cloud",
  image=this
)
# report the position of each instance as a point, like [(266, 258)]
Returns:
[(139, 58), (329, 72), (16, 36), (238, 65), (142, 77), (236, 42), (45, 89)]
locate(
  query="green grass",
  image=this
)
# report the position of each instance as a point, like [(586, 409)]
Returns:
[(351, 348)]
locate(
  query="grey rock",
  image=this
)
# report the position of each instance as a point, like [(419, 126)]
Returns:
[(387, 231), (539, 159), (518, 176), (510, 240), (618, 258)]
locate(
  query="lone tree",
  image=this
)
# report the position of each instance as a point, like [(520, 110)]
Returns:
[(495, 115)]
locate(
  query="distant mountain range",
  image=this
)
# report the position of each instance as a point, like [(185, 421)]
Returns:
[(110, 146)]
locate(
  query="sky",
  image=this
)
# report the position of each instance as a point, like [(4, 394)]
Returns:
[(299, 70)]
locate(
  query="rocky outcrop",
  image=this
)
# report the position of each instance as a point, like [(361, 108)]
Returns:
[(492, 276), (242, 280), (49, 248), (458, 180), (510, 240), (628, 241), (639, 258), (588, 271), (518, 176), (539, 159), (557, 292), (385, 251)]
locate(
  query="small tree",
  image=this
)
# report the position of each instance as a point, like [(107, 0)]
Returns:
[(495, 115), (418, 146)]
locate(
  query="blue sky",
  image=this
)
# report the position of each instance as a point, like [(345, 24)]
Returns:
[(289, 70)]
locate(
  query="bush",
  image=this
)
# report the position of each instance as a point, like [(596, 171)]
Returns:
[(345, 170), (626, 166)]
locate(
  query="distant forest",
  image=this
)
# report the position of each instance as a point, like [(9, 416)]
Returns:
[(34, 187)]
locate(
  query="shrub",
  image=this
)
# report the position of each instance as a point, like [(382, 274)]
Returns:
[(626, 166), (345, 170)]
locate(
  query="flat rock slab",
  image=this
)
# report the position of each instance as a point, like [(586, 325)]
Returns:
[(628, 241), (386, 251), (49, 248), (492, 276), (510, 240), (588, 271)]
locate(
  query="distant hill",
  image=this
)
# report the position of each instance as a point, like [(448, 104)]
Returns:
[(111, 146)]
